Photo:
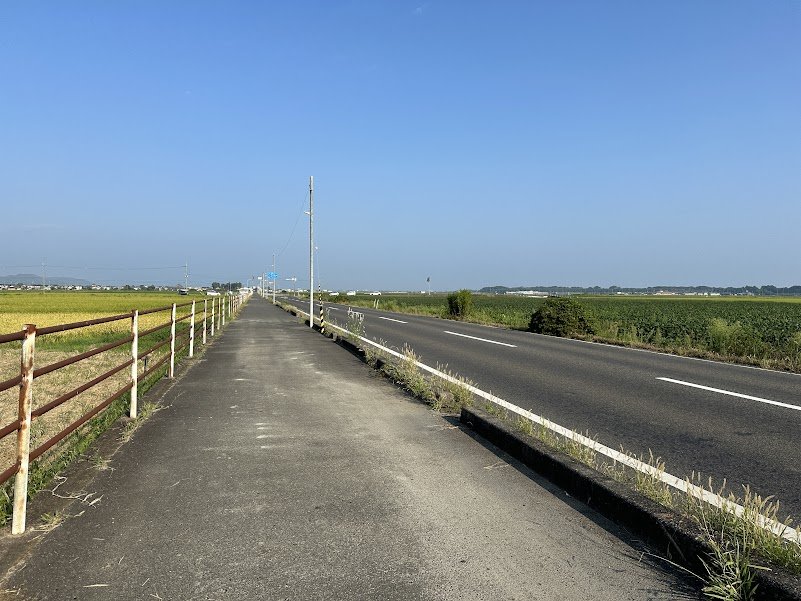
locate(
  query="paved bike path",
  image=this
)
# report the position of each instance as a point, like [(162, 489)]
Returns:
[(283, 468)]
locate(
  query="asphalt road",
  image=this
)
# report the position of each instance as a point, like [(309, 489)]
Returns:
[(616, 395), (280, 468)]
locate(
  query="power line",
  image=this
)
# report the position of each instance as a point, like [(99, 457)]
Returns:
[(292, 233)]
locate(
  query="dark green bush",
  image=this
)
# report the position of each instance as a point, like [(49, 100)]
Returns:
[(460, 303), (561, 316)]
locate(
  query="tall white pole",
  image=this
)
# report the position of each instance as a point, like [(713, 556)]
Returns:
[(24, 430), (275, 278), (135, 362), (311, 251)]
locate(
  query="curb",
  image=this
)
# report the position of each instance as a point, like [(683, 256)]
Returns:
[(664, 530)]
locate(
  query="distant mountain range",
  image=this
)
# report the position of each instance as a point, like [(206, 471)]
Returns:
[(741, 290), (35, 280)]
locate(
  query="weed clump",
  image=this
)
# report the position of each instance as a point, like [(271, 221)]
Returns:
[(447, 392), (734, 339), (452, 393)]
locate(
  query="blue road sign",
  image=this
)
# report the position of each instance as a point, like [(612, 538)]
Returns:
[(272, 275)]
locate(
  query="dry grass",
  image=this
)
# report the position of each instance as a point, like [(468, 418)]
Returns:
[(53, 385)]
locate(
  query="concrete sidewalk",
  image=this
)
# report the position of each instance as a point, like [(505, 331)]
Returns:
[(284, 468)]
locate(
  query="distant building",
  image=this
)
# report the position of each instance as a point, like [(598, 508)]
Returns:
[(532, 293)]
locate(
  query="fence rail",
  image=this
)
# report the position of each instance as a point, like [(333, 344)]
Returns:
[(220, 308)]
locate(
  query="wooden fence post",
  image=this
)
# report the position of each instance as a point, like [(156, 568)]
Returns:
[(24, 432)]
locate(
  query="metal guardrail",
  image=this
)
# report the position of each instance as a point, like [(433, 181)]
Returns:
[(207, 323)]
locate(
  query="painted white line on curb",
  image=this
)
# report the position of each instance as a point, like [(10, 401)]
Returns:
[(735, 394), (481, 339), (390, 319), (680, 484)]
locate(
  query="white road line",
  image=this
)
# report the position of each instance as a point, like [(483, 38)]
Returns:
[(390, 319), (736, 394), (481, 339)]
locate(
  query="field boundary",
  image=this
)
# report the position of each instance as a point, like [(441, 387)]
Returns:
[(206, 322)]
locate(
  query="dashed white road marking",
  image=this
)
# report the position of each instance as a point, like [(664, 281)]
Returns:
[(481, 339), (734, 394), (390, 319)]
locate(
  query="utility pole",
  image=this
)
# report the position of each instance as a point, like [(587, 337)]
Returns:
[(311, 251), (186, 276), (44, 268)]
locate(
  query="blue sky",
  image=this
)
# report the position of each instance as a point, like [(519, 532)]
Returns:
[(479, 143)]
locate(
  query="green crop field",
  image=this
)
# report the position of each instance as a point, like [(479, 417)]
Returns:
[(757, 331)]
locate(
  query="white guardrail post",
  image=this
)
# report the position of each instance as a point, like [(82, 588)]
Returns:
[(24, 432), (213, 316), (171, 373), (135, 365), (205, 309), (192, 332)]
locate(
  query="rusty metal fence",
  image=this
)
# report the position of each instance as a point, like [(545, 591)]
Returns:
[(178, 334)]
